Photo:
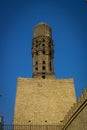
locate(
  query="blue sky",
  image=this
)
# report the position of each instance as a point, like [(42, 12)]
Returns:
[(68, 20)]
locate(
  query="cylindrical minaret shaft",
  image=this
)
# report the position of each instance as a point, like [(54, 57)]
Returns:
[(43, 52)]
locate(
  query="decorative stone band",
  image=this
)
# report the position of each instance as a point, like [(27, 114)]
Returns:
[(41, 39)]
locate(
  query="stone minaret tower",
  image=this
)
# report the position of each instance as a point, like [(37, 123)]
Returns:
[(43, 99), (43, 52)]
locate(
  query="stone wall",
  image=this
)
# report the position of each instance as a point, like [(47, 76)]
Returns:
[(43, 101), (76, 118)]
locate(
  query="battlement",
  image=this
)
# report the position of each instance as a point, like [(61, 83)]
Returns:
[(76, 108)]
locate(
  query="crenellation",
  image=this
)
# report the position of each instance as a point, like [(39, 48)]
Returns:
[(75, 107)]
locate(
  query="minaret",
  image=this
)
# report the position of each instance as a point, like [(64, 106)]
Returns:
[(43, 52), (43, 100)]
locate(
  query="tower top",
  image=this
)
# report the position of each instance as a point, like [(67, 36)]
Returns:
[(43, 23), (42, 29)]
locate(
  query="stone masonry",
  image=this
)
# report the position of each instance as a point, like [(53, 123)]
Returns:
[(43, 99), (43, 52), (76, 118), (40, 101)]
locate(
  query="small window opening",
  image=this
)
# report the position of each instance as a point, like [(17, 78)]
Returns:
[(36, 62), (43, 67), (36, 45), (45, 120), (61, 121), (36, 41), (43, 62), (50, 52), (29, 121), (36, 68), (43, 40), (50, 46), (43, 73), (43, 76), (43, 52), (50, 66), (36, 53), (43, 44)]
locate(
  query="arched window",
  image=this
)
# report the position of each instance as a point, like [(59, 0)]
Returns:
[(43, 62), (43, 67), (43, 75)]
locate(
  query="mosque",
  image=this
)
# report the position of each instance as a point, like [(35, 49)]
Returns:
[(44, 102)]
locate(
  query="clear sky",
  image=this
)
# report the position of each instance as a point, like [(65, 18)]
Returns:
[(68, 20)]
